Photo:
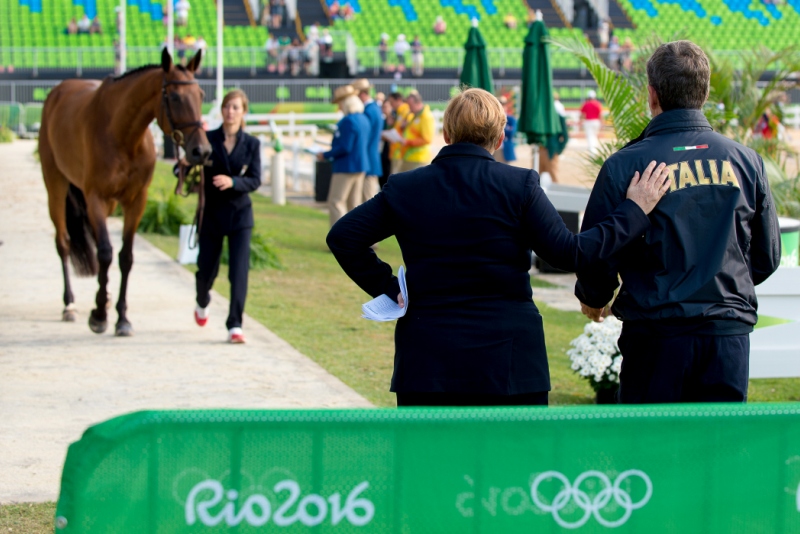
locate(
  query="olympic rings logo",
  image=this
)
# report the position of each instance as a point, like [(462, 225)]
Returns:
[(591, 506)]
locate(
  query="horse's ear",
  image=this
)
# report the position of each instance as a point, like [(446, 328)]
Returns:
[(166, 60), (194, 63)]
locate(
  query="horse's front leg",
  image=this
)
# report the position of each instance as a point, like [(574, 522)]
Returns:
[(133, 212), (97, 209)]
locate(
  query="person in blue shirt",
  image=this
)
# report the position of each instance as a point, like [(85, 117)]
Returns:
[(375, 117), (506, 154), (349, 154)]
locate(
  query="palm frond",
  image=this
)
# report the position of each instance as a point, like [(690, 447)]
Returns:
[(626, 102)]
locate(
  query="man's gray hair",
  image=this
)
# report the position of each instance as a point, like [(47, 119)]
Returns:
[(679, 72)]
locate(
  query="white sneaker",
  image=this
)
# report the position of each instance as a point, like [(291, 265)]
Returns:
[(235, 335), (201, 315)]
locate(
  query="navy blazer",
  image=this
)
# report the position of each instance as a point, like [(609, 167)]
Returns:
[(375, 117), (466, 225), (349, 146), (231, 210)]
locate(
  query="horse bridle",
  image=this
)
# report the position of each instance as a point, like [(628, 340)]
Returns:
[(180, 142), (177, 133)]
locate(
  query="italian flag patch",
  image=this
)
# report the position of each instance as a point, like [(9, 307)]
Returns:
[(682, 148)]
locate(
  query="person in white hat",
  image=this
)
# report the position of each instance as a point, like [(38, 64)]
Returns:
[(590, 118), (401, 47), (348, 153)]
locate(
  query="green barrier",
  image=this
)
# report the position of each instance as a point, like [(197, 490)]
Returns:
[(681, 469)]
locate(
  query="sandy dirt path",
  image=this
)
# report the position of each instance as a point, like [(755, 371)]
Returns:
[(58, 378)]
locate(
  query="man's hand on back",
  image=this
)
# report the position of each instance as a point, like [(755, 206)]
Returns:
[(595, 314)]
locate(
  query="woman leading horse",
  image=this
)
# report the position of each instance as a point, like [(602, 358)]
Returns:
[(96, 150)]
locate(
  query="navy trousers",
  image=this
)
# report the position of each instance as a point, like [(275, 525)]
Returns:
[(238, 266), (686, 368), (538, 398)]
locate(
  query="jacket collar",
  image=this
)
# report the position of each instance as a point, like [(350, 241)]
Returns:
[(463, 150), (677, 120), (217, 140)]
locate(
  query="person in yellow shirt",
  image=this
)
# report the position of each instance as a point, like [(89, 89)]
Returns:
[(395, 121), (417, 129)]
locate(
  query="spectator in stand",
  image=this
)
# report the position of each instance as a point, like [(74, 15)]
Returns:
[(182, 8), (375, 117), (326, 46), (383, 49), (284, 43), (84, 24), (627, 54), (399, 112), (271, 48), (276, 11), (418, 128), (117, 58), (180, 46), (401, 47), (603, 32), (347, 12), (510, 21), (506, 153), (417, 59), (439, 26), (95, 28), (334, 10), (311, 56), (295, 57), (349, 154), (613, 53), (590, 118), (72, 27)]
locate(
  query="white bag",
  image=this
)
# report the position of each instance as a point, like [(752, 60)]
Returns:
[(187, 237)]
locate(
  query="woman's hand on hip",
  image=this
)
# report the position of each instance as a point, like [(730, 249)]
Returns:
[(648, 189), (223, 182)]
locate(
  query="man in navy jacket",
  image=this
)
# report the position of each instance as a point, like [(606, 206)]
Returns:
[(688, 297), (349, 154), (375, 117)]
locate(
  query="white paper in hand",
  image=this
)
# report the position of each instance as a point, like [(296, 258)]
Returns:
[(384, 308)]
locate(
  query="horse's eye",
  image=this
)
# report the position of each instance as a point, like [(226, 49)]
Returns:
[(174, 97)]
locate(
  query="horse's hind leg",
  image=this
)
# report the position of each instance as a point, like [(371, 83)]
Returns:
[(133, 212), (57, 190), (97, 209)]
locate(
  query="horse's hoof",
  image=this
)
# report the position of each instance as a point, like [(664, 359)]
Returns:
[(123, 329), (68, 315), (97, 326)]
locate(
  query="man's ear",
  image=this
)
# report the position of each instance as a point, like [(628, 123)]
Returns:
[(652, 98), (166, 60)]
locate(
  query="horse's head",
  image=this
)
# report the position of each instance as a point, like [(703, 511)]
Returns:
[(180, 115)]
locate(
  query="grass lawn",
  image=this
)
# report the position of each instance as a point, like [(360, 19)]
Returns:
[(316, 308), (28, 518)]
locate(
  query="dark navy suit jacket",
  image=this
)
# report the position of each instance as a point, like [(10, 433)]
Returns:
[(466, 225), (231, 210), (349, 146)]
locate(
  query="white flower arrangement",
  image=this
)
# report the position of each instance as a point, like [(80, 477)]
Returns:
[(596, 355)]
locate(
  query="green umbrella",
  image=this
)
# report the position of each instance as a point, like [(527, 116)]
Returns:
[(538, 117), (476, 72)]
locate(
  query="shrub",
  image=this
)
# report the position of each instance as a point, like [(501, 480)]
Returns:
[(6, 135), (163, 216), (262, 253)]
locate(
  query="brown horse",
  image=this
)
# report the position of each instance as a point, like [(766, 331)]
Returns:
[(96, 151)]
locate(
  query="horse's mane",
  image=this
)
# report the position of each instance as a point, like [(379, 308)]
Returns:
[(135, 71)]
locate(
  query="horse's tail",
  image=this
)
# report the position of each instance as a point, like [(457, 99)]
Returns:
[(81, 236)]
